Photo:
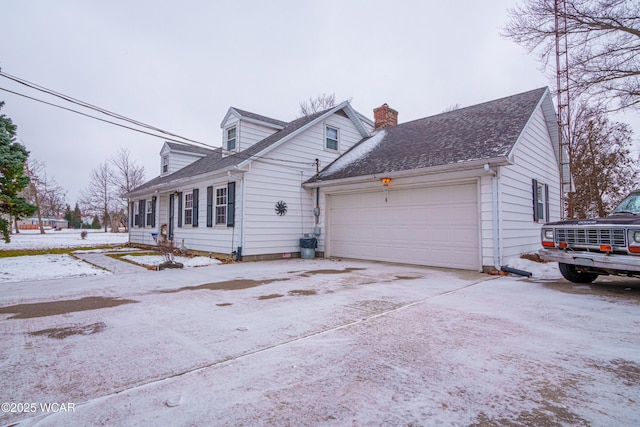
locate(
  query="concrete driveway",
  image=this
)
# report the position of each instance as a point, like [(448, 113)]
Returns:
[(318, 342)]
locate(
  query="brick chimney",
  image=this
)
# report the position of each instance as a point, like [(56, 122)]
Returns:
[(385, 116)]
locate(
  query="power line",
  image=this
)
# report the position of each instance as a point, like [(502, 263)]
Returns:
[(97, 118), (239, 155), (95, 108)]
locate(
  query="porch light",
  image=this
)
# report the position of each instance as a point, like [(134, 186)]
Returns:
[(385, 181)]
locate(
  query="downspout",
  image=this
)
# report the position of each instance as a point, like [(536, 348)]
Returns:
[(316, 211), (241, 243), (495, 216)]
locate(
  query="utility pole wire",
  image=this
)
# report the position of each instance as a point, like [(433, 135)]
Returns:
[(95, 108), (102, 120)]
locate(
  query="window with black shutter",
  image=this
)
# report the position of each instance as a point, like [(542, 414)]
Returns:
[(196, 200), (141, 208), (231, 204), (209, 206)]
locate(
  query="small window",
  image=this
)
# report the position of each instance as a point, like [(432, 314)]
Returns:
[(231, 139), (188, 208), (150, 212), (221, 205), (540, 201), (136, 217), (331, 138), (165, 164)]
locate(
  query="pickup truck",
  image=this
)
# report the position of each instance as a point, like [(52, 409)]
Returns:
[(588, 248)]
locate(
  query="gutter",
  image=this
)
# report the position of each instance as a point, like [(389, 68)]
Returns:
[(180, 181), (451, 167)]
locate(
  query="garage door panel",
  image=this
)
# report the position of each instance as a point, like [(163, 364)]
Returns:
[(429, 226)]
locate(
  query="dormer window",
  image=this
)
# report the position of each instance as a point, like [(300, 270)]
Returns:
[(331, 138), (165, 163), (231, 139)]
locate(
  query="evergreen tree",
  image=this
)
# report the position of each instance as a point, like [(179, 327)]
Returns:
[(96, 223), (12, 176), (67, 214), (76, 217)]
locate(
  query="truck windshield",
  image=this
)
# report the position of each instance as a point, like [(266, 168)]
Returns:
[(629, 205)]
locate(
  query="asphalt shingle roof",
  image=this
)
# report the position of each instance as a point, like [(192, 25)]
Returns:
[(482, 131), (193, 149), (214, 162), (259, 117)]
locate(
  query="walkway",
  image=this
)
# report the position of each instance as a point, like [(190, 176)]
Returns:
[(112, 264)]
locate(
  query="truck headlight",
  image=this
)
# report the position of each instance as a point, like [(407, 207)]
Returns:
[(548, 234), (636, 236)]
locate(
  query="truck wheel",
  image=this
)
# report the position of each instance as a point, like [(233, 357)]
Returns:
[(569, 272)]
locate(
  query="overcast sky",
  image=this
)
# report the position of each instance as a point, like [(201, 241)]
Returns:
[(180, 65)]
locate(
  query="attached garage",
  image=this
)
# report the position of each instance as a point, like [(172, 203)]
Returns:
[(435, 225)]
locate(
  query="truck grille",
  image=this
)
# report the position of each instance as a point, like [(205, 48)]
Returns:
[(592, 236)]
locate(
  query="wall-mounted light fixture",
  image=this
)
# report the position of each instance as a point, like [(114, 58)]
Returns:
[(176, 194), (385, 181)]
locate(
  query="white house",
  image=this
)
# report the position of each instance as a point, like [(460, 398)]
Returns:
[(465, 189)]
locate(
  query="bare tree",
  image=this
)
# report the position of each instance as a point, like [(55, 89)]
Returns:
[(602, 166), (43, 191), (99, 194), (319, 103), (125, 176), (603, 40), (107, 183), (452, 107)]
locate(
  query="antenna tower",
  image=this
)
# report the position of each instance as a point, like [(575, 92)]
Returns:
[(564, 112)]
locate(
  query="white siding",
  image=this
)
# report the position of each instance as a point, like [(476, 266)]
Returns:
[(218, 238), (143, 235), (250, 133), (270, 181), (247, 133), (177, 159), (534, 158)]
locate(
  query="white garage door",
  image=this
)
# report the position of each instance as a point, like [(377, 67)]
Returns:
[(434, 226)]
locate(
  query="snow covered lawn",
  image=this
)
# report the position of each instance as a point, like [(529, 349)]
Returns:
[(318, 342), (69, 238), (38, 267)]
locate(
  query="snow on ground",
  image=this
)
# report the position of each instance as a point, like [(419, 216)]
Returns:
[(68, 238), (316, 342), (39, 267), (539, 270), (42, 267)]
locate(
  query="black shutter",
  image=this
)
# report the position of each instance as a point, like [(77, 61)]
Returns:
[(546, 203), (141, 212), (534, 185), (209, 206), (132, 214), (231, 204), (171, 215), (180, 209), (154, 200), (194, 213)]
